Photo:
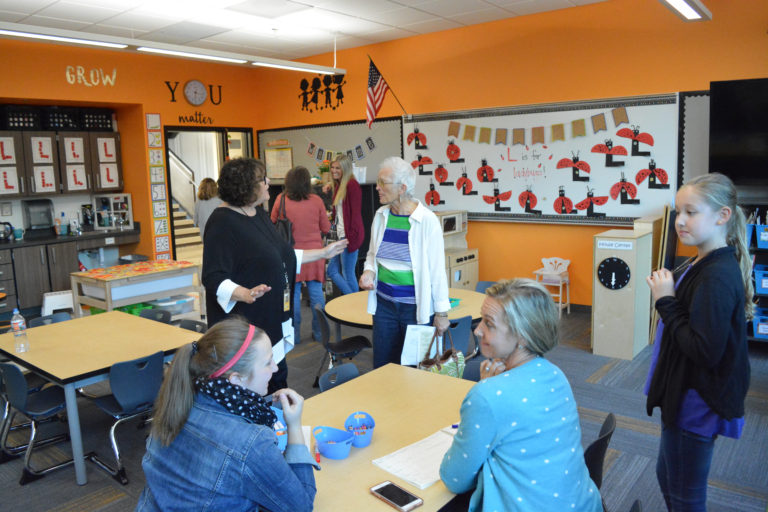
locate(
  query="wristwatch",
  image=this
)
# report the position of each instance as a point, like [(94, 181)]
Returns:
[(444, 315)]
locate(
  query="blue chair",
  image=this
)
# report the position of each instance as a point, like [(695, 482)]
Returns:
[(135, 385), (61, 316), (338, 375), (39, 406), (193, 325), (461, 334), (472, 369), (158, 315), (481, 286), (347, 347)]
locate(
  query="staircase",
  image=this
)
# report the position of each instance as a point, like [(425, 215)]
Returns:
[(189, 245)]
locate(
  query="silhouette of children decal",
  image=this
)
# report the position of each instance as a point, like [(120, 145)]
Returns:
[(339, 81), (304, 95), (327, 81), (315, 90)]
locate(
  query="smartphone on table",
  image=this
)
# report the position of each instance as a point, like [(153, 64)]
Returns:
[(396, 496)]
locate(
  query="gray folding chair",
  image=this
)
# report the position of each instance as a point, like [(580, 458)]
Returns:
[(338, 375)]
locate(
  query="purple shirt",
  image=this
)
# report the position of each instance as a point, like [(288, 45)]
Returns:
[(694, 415)]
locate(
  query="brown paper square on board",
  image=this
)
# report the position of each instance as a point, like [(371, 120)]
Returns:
[(453, 129), (485, 136), (518, 136), (598, 123), (579, 128), (501, 136), (469, 132), (537, 135), (620, 116), (558, 131)]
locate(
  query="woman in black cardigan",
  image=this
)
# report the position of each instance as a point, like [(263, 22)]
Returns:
[(699, 371), (248, 269)]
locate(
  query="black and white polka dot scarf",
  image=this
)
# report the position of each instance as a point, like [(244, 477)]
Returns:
[(238, 400)]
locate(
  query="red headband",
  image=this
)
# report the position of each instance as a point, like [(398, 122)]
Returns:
[(237, 356)]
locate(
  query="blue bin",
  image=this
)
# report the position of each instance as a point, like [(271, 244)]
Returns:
[(281, 430), (750, 232), (761, 279), (332, 443), (361, 425), (760, 324), (762, 236)]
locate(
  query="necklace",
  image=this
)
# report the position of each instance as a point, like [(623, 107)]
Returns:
[(244, 212)]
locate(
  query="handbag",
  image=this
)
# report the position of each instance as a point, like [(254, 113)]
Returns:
[(282, 224), (451, 362)]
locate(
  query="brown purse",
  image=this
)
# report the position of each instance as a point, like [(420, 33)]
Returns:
[(450, 362)]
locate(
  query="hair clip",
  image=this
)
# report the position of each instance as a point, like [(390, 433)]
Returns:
[(195, 347)]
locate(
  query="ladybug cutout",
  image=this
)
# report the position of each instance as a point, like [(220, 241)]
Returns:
[(563, 204), (609, 151), (441, 175), (657, 178), (485, 172), (590, 202), (624, 188), (576, 165), (420, 162), (528, 201), (636, 137), (420, 138), (433, 196), (454, 153), (497, 198), (465, 184)]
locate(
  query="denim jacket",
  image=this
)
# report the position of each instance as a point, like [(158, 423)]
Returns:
[(220, 461)]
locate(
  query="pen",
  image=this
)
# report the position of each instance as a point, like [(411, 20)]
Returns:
[(455, 425), (317, 454)]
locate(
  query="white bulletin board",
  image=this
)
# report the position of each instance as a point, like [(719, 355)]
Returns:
[(602, 162)]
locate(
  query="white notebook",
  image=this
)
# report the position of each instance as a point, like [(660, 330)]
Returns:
[(418, 463)]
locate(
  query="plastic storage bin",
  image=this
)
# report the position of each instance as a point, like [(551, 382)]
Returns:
[(761, 279), (761, 235), (361, 425), (750, 232), (760, 324), (332, 443), (175, 305)]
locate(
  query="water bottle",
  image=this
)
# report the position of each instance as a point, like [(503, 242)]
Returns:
[(19, 326)]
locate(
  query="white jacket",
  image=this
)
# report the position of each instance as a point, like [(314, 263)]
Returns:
[(425, 245)]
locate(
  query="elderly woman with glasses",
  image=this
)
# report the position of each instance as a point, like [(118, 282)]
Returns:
[(248, 268), (405, 266)]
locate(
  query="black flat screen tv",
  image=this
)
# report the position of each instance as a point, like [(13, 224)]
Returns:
[(738, 134)]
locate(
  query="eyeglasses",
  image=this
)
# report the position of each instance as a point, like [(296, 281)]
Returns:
[(382, 183)]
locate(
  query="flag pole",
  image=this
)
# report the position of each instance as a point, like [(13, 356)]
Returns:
[(390, 88)]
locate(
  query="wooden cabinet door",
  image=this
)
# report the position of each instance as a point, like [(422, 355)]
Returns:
[(30, 266), (11, 164), (62, 260), (75, 161), (106, 162), (42, 163)]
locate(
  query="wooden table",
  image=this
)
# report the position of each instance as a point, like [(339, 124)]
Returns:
[(351, 309), (407, 406), (81, 351), (123, 285)]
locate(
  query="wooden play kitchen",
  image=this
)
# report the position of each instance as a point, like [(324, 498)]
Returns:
[(123, 285)]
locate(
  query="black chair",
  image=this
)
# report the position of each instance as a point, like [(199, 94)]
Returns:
[(594, 455), (39, 406), (158, 315), (194, 325), (134, 387), (347, 347), (61, 316), (338, 375)]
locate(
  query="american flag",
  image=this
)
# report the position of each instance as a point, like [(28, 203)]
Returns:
[(377, 89)]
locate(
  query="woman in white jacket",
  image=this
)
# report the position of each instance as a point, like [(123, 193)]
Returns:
[(405, 266)]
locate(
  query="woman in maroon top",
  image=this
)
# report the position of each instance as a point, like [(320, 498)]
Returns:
[(348, 221), (307, 214)]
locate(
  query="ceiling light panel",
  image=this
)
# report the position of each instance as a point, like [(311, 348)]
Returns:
[(332, 22), (365, 10), (268, 8)]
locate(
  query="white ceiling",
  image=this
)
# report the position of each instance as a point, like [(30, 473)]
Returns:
[(281, 29)]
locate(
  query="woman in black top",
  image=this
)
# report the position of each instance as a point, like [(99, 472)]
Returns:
[(248, 269)]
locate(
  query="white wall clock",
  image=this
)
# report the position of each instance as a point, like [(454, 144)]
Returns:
[(195, 92)]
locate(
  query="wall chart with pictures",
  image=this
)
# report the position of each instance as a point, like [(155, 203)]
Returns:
[(597, 162)]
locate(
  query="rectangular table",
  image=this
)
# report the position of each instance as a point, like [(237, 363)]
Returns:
[(81, 351), (407, 406)]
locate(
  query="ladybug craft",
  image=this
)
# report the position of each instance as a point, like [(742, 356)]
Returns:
[(485, 172), (609, 151), (657, 178), (576, 165), (454, 153), (528, 201), (496, 199), (637, 137), (563, 204), (465, 184), (590, 202), (433, 196), (419, 138), (420, 162), (624, 188), (441, 175)]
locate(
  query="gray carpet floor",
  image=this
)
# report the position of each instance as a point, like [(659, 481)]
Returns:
[(738, 479)]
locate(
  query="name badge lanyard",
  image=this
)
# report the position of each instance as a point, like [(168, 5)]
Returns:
[(286, 291)]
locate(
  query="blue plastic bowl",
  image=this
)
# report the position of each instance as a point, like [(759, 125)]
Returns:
[(280, 429), (361, 425), (332, 442)]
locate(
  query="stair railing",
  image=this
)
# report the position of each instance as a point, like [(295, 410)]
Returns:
[(184, 189)]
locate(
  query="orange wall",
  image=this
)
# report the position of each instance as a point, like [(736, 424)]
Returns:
[(610, 49), (38, 74)]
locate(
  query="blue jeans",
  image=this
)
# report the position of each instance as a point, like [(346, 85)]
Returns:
[(390, 322), (341, 270), (682, 469), (316, 296)]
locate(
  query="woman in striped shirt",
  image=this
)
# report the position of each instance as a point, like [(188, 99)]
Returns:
[(405, 266)]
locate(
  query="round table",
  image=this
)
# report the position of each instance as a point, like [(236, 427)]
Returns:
[(351, 309)]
